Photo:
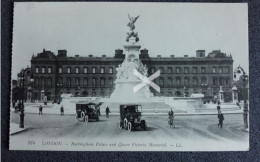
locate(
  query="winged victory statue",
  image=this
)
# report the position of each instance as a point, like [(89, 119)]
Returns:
[(131, 24)]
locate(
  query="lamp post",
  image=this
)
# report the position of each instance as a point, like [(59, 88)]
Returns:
[(22, 110), (240, 70)]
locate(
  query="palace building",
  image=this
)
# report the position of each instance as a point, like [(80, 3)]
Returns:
[(55, 74)]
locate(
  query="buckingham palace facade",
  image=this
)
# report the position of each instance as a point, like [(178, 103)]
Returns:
[(55, 74)]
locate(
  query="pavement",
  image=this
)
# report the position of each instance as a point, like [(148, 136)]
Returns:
[(15, 128), (54, 109), (196, 130)]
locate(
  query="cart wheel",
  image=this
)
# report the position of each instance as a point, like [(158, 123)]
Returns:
[(120, 125), (125, 123), (130, 126), (82, 114), (86, 118)]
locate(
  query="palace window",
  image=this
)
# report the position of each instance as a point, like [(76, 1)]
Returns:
[(178, 70), (227, 81), (220, 70), (169, 81), (68, 81), (203, 70), (42, 81), (85, 70), (186, 70), (37, 70), (36, 82), (94, 82), (68, 70), (110, 81), (195, 81), (43, 70), (77, 81), (214, 70), (77, 70), (194, 70), (60, 70), (226, 69), (85, 81), (178, 81), (110, 70), (169, 70), (215, 81), (93, 70), (49, 82), (60, 82), (102, 70), (204, 80), (220, 81), (161, 82), (102, 81), (161, 70), (49, 70), (186, 81)]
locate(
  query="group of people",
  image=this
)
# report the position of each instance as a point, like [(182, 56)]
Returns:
[(107, 112), (220, 117), (61, 110)]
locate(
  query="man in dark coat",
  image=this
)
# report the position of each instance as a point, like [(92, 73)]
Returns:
[(171, 116), (98, 111), (61, 110), (220, 119), (40, 110), (107, 112)]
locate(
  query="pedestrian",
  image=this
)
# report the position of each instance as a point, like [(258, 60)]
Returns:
[(220, 119), (171, 117), (40, 110), (107, 112), (218, 108), (98, 111), (61, 110)]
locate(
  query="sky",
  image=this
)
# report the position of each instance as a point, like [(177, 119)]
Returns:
[(84, 28)]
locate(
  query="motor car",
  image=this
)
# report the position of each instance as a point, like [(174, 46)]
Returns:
[(130, 117), (87, 111)]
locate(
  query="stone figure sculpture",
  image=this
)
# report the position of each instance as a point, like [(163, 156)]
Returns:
[(131, 24)]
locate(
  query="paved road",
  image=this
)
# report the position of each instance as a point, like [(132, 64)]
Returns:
[(187, 127)]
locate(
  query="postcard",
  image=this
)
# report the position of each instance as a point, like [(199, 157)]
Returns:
[(99, 76)]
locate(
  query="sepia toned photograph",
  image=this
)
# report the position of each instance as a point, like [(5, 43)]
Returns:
[(96, 76)]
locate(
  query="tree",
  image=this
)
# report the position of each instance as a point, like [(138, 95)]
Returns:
[(240, 87)]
